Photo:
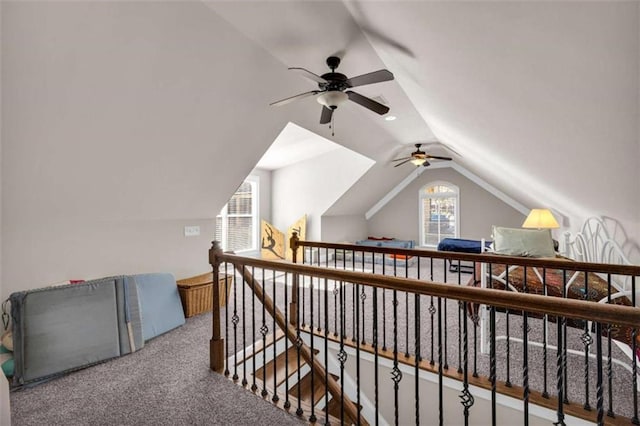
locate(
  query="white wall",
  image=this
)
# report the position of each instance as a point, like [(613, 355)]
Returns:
[(310, 187), (343, 228), (479, 209), (121, 126)]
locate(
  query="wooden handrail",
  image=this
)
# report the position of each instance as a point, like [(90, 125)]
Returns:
[(570, 308), (332, 386), (498, 259)]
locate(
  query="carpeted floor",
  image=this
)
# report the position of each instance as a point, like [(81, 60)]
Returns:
[(168, 382)]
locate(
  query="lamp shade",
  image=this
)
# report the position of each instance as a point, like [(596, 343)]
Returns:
[(418, 161), (541, 219), (332, 98)]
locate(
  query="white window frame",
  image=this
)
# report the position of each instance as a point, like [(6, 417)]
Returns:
[(422, 195), (255, 215)]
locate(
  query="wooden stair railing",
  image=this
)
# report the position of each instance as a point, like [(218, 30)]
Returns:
[(217, 343)]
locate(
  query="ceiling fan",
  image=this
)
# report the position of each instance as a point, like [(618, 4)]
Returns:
[(332, 89), (419, 158)]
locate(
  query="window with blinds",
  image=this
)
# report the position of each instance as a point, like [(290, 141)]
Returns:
[(439, 203), (236, 225)]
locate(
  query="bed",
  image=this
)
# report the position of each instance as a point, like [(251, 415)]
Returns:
[(591, 244), (461, 245)]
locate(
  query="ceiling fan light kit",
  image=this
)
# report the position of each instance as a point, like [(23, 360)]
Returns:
[(419, 158), (332, 89)]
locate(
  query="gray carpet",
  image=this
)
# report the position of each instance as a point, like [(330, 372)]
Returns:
[(168, 382)]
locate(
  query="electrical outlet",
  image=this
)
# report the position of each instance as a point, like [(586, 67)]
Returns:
[(191, 231)]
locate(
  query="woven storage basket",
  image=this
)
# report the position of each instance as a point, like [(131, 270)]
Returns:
[(196, 293)]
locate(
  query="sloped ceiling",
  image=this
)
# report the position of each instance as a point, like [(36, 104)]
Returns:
[(541, 99)]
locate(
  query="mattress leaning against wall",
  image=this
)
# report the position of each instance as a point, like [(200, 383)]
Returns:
[(64, 328)]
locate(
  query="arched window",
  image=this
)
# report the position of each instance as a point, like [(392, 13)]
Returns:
[(439, 212)]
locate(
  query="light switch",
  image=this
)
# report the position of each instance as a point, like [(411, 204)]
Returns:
[(191, 231)]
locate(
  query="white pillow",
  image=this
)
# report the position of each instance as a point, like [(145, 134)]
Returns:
[(523, 242)]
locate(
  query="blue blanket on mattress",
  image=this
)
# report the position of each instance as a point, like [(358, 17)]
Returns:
[(461, 245)]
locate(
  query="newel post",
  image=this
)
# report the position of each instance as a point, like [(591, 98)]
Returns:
[(293, 306), (216, 344)]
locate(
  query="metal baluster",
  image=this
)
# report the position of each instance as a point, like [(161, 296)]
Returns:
[(492, 352), (312, 417), (264, 329), (444, 314), (354, 302), (326, 350), (586, 341), (440, 377), (235, 319), (335, 308), (565, 374), (396, 374), (406, 303), (599, 392), (416, 321), (275, 397), (432, 311), (634, 351), (475, 318), (299, 342), (226, 324), (545, 322), (304, 316), (342, 355), (508, 360), (525, 354), (363, 297), (287, 403), (357, 321), (375, 350), (467, 399), (560, 361), (254, 386), (244, 334), (384, 311), (609, 366), (459, 324), (318, 328)]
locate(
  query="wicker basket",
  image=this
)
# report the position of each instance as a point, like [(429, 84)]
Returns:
[(196, 293)]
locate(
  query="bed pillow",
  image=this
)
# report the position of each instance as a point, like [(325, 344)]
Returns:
[(523, 242)]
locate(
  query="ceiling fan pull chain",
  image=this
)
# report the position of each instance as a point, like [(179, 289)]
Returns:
[(332, 125)]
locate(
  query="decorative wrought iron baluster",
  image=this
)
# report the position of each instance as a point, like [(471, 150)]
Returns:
[(599, 390), (587, 340), (440, 375), (396, 374), (226, 324), (525, 355), (363, 297), (634, 363), (326, 350), (406, 304), (508, 360), (264, 330), (444, 314), (254, 386), (354, 303), (235, 319), (560, 361), (432, 311), (304, 316), (545, 322), (342, 354), (459, 324), (416, 322), (275, 397), (375, 350), (384, 311), (244, 333), (609, 366), (357, 321), (312, 417), (476, 319), (335, 308), (298, 344), (287, 403), (565, 374), (318, 328), (466, 398), (492, 353)]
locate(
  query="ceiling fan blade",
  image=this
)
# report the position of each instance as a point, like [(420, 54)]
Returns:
[(405, 161), (439, 158), (426, 163), (308, 74), (370, 78), (293, 98), (400, 159), (325, 117), (367, 103)]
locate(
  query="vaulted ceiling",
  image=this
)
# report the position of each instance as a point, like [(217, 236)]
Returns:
[(541, 99)]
